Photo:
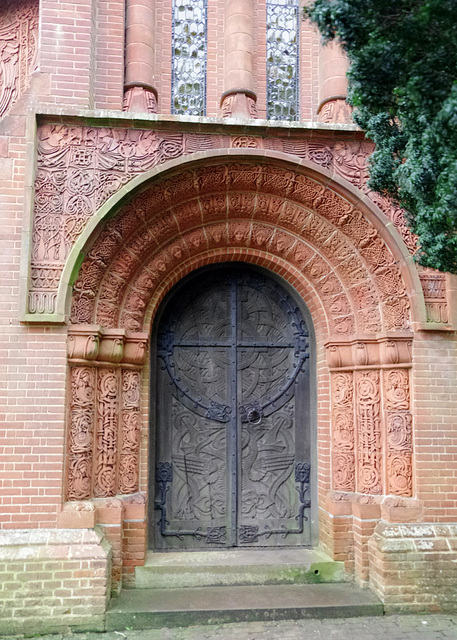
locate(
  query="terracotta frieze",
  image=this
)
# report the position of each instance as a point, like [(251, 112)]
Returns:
[(80, 167)]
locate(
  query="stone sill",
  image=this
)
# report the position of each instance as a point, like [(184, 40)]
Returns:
[(112, 118)]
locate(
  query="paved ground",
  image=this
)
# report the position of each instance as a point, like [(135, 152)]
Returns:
[(408, 627)]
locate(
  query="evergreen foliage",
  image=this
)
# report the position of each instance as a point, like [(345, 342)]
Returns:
[(403, 87)]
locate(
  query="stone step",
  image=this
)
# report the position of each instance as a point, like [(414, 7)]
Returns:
[(157, 608), (176, 570)]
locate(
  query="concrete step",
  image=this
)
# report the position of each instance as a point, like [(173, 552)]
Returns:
[(157, 608), (176, 570)]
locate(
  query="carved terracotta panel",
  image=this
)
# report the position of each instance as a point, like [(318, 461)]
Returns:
[(79, 168), (18, 49), (399, 431), (81, 432), (343, 439), (103, 429), (130, 433), (369, 444)]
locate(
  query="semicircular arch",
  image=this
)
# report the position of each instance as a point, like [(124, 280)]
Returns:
[(266, 204)]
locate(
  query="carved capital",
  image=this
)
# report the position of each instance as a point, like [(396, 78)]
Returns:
[(83, 342), (112, 345), (375, 352), (135, 348), (116, 346)]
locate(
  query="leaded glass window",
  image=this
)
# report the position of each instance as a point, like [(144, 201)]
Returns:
[(282, 59), (188, 83)]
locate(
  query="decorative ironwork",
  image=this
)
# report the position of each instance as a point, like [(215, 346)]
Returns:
[(230, 350), (249, 534), (246, 533), (282, 59), (188, 83), (253, 412), (164, 477)]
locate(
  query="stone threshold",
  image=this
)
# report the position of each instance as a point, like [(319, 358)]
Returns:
[(230, 567), (156, 608)]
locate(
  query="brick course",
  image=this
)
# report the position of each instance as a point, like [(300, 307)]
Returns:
[(53, 579)]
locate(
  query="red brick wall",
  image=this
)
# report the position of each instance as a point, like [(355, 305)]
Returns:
[(52, 580), (435, 435), (68, 50), (109, 76)]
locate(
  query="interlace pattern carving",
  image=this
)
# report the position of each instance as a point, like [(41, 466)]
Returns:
[(368, 411), (79, 168), (104, 432), (399, 431), (336, 247), (130, 432), (343, 453), (18, 49), (81, 433), (434, 287), (240, 340)]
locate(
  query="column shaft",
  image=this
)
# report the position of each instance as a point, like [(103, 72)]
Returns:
[(239, 98), (139, 92), (333, 65)]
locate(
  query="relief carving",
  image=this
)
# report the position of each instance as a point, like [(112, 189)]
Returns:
[(434, 288), (343, 456), (399, 431), (336, 111), (18, 49), (103, 282), (368, 411), (78, 169), (105, 481), (81, 432), (130, 433)]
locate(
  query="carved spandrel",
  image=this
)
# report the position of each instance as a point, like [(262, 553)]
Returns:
[(78, 169)]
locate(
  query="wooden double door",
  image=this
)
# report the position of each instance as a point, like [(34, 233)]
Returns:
[(232, 395)]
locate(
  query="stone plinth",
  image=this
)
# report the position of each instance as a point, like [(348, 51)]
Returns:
[(53, 579)]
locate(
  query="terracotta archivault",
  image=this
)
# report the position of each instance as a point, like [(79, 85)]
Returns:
[(336, 251), (257, 210)]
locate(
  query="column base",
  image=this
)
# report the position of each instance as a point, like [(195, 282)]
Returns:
[(240, 103), (140, 99)]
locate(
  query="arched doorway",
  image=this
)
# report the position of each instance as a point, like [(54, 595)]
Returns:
[(233, 444)]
